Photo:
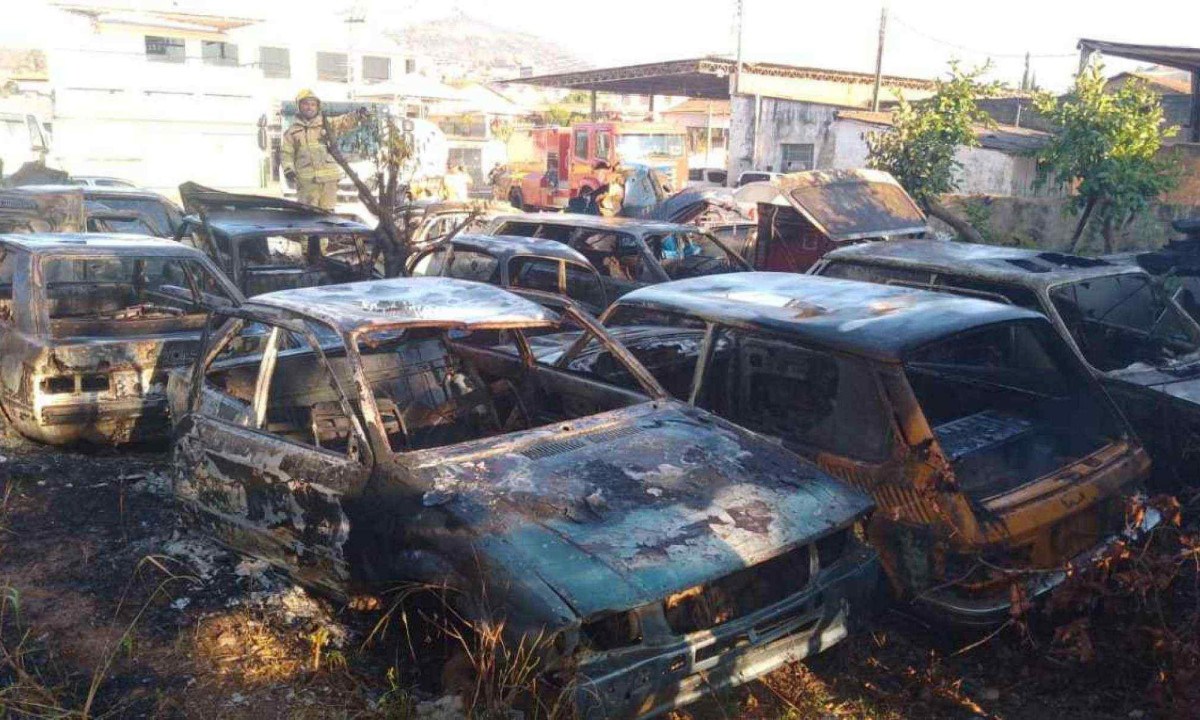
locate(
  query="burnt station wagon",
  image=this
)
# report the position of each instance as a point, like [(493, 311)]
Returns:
[(516, 262), (374, 436), (90, 325), (628, 253), (265, 244), (1138, 341), (994, 457)]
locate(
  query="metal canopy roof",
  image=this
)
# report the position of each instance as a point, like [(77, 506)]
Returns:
[(706, 77), (1184, 58)]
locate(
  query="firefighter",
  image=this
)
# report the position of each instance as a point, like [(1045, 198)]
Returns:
[(306, 162)]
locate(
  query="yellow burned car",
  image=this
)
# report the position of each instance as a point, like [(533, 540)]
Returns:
[(994, 458)]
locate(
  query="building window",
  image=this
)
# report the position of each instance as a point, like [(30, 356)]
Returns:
[(275, 62), (332, 67), (797, 157), (219, 53), (376, 69), (410, 66), (165, 49)]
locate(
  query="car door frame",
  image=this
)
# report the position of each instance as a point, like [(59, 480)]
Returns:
[(269, 461)]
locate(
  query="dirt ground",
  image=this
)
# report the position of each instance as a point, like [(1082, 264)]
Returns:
[(110, 607)]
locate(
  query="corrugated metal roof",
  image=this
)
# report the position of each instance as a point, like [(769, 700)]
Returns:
[(1003, 138)]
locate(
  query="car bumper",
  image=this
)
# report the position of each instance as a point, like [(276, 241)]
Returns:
[(994, 609), (733, 653), (99, 421)]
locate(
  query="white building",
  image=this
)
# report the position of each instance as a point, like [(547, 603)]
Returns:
[(160, 96)]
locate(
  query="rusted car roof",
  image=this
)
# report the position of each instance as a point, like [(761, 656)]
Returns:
[(507, 246), (1032, 268), (236, 214), (444, 302), (95, 244), (597, 222), (845, 205), (884, 322), (61, 208)]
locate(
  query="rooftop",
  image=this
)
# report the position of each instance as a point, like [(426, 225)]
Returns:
[(706, 77), (1019, 265), (1005, 138), (422, 301), (884, 322)]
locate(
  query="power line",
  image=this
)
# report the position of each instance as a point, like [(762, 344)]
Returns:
[(899, 20)]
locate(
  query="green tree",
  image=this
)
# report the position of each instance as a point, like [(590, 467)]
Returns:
[(919, 149), (1106, 145), (562, 115)]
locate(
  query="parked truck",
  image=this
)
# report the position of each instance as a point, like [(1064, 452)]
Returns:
[(550, 166)]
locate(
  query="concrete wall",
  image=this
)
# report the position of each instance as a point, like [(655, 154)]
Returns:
[(780, 121), (1050, 222), (1188, 190), (841, 144)]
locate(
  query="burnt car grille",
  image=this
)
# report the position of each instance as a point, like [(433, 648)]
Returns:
[(552, 448), (739, 593)]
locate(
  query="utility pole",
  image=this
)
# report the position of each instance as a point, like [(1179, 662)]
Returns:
[(879, 57), (354, 18), (737, 79), (1025, 77)]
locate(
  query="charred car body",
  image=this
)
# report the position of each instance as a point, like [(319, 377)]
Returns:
[(1177, 265), (265, 244), (90, 325), (628, 253), (994, 457), (42, 210), (377, 435), (431, 221), (1135, 338), (149, 212), (516, 262), (804, 215)]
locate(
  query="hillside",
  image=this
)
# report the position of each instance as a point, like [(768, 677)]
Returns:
[(480, 46)]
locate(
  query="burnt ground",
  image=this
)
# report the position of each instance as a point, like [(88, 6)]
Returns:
[(110, 606)]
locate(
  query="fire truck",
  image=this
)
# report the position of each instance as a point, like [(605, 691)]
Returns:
[(550, 166)]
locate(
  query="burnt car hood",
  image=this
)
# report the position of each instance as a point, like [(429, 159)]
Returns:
[(630, 506)]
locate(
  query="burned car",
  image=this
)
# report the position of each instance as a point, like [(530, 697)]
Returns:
[(516, 262), (267, 244), (1176, 265), (161, 216), (802, 216), (993, 455), (90, 325), (41, 210), (379, 434), (628, 253), (431, 221), (1133, 336)]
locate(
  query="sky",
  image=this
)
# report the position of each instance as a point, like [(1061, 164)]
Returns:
[(922, 35)]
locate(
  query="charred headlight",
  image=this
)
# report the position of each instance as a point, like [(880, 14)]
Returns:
[(831, 547), (612, 631)]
